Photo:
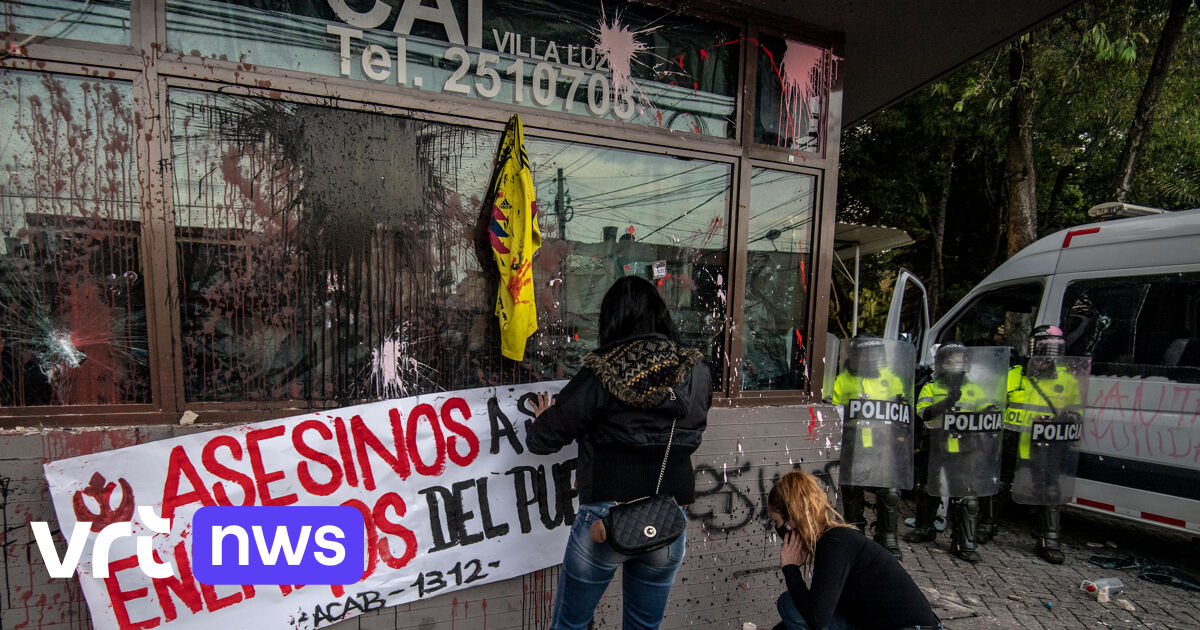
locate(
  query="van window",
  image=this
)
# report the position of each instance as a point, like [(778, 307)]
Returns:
[(1137, 325), (1000, 317)]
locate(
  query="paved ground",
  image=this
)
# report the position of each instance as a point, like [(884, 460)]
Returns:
[(1011, 587)]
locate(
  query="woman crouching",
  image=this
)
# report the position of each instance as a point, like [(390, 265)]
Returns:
[(856, 583)]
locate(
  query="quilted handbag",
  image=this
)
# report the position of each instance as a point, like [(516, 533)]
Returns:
[(644, 524), (647, 523)]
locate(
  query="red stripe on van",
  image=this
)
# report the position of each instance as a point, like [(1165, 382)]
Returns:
[(1073, 233), (1164, 519), (1096, 504)]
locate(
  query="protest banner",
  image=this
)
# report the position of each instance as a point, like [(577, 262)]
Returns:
[(450, 496)]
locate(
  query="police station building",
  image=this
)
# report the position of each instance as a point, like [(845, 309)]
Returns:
[(218, 212)]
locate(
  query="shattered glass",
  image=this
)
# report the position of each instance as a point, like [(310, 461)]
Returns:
[(72, 295), (779, 266)]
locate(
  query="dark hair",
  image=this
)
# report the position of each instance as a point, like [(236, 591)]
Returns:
[(632, 306)]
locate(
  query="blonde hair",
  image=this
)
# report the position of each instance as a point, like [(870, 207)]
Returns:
[(800, 498)]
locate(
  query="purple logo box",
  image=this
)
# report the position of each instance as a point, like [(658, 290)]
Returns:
[(278, 545)]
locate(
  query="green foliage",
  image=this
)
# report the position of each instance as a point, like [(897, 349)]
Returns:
[(1087, 73)]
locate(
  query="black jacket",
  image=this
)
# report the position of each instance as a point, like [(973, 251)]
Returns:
[(619, 408)]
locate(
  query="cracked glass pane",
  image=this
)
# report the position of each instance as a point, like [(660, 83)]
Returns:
[(73, 314)]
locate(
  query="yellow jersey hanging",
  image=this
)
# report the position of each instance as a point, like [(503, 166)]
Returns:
[(514, 234)]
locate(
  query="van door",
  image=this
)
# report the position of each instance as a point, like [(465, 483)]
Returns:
[(908, 315)]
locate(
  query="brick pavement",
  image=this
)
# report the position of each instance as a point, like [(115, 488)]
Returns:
[(1009, 588)]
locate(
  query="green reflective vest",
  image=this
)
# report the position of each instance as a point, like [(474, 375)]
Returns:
[(973, 398), (1026, 403), (886, 386)]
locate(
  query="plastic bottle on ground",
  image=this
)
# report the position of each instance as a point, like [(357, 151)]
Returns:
[(1103, 588)]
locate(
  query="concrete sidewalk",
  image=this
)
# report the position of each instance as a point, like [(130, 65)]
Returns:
[(1014, 588)]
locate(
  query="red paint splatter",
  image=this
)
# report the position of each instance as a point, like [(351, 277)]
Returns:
[(703, 54), (813, 423)]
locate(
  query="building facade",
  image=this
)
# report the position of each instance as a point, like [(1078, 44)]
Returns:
[(229, 211)]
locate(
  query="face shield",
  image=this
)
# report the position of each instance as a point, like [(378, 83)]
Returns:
[(1043, 349), (951, 365), (866, 356)]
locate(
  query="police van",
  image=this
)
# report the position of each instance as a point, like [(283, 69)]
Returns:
[(1127, 294)]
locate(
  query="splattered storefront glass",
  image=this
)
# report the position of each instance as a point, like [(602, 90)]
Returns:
[(779, 262), (329, 255), (72, 298), (612, 60), (793, 90)]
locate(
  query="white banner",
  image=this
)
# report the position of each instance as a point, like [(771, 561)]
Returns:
[(450, 496)]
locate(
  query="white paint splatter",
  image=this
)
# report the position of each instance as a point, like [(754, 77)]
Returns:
[(395, 373), (619, 44)]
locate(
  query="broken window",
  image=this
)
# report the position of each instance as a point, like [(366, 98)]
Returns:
[(778, 266), (72, 296)]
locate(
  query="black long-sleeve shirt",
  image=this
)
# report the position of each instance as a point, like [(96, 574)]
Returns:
[(860, 580)]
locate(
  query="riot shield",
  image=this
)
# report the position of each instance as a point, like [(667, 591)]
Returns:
[(1049, 402), (832, 352), (965, 435), (876, 396)]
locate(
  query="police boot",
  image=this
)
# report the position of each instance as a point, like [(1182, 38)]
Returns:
[(887, 525), (852, 507), (924, 530), (1048, 527), (963, 519), (989, 516)]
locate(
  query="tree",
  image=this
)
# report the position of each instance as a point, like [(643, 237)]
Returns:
[(1144, 117), (1082, 73), (1021, 172)]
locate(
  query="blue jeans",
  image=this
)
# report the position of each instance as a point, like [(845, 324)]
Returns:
[(792, 620), (588, 567)]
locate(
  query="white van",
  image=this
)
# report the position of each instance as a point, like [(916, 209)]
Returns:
[(1127, 294)]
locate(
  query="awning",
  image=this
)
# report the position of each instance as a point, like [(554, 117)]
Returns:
[(851, 241), (869, 239)]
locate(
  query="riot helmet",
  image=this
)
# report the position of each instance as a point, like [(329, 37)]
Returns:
[(866, 355), (1045, 343), (950, 366), (1048, 341)]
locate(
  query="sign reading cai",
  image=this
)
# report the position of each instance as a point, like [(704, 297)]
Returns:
[(447, 493), (613, 60), (532, 68)]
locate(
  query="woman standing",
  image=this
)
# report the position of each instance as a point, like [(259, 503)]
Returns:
[(856, 583), (621, 408)]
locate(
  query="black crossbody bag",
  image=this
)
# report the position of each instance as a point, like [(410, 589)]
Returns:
[(647, 523)]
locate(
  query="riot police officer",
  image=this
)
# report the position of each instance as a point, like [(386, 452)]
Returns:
[(1043, 418), (875, 390), (960, 441)]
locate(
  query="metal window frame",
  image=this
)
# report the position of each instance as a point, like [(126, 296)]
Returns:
[(153, 72)]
